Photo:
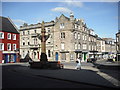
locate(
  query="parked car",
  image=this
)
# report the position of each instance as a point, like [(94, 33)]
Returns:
[(91, 60), (110, 60)]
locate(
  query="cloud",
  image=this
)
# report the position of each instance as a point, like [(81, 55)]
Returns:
[(73, 3), (61, 9)]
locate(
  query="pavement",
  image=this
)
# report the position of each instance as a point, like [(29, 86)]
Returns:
[(87, 75), (104, 64)]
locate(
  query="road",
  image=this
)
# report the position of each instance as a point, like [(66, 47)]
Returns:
[(14, 79), (113, 73)]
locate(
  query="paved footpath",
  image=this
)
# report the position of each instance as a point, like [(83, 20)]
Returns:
[(87, 75)]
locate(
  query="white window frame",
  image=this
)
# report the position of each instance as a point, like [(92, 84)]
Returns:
[(14, 48), (10, 46), (1, 47), (14, 36), (9, 37), (1, 36)]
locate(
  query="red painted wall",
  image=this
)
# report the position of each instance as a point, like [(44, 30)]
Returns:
[(11, 41)]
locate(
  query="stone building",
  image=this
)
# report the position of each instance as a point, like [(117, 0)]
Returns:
[(30, 44), (118, 45), (69, 38), (110, 48)]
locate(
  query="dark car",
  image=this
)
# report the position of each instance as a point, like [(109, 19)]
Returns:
[(91, 60)]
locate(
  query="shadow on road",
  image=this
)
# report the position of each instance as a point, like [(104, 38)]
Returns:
[(82, 77), (112, 70)]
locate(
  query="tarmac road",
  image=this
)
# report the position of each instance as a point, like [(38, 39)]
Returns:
[(15, 79)]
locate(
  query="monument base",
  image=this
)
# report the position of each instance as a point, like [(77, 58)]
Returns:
[(46, 65)]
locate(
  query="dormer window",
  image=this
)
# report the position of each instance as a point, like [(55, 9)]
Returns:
[(62, 26)]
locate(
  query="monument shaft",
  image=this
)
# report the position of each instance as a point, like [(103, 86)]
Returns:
[(43, 41)]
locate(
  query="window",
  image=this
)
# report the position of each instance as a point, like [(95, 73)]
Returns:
[(61, 25), (23, 54), (9, 36), (84, 46), (117, 39), (14, 36), (79, 46), (28, 43), (63, 56), (83, 37), (89, 47), (75, 25), (62, 35), (75, 35), (49, 53), (78, 36), (9, 46), (89, 38), (35, 41), (35, 31), (23, 32), (14, 46), (62, 46), (71, 56), (75, 46), (1, 46), (28, 32), (23, 43), (1, 35)]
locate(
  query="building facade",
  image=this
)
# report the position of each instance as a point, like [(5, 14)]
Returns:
[(69, 38), (110, 48), (9, 41), (118, 45)]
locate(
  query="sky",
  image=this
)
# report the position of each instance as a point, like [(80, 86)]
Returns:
[(102, 17)]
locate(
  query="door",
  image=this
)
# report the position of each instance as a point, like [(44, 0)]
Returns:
[(84, 56), (56, 56)]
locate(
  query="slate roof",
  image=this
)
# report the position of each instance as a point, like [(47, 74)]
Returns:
[(7, 25)]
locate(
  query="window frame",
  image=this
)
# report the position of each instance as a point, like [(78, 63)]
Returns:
[(9, 37), (9, 49), (14, 38), (1, 47), (2, 36), (14, 48)]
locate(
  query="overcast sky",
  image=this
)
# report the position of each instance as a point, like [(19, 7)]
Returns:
[(102, 17)]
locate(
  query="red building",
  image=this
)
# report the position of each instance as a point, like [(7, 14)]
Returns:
[(9, 41)]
